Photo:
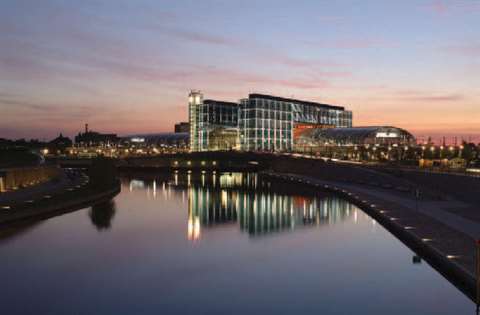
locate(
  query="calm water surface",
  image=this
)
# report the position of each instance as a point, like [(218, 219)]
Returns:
[(216, 244)]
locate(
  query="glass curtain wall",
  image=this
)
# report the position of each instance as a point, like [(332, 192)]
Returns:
[(265, 125)]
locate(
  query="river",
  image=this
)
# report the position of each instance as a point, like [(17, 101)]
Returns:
[(224, 243)]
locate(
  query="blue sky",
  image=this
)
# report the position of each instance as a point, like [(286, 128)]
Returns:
[(127, 66)]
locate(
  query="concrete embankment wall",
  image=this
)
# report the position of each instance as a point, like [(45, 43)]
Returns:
[(462, 187), (62, 204), (100, 184), (339, 172), (14, 178), (459, 272), (197, 160)]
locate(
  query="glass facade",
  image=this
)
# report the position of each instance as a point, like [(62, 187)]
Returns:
[(320, 114), (268, 123), (258, 123), (195, 100), (265, 125), (213, 124)]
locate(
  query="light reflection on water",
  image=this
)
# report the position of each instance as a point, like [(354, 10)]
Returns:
[(223, 243), (237, 197)]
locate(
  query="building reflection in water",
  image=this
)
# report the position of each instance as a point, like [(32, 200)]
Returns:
[(258, 211), (259, 207)]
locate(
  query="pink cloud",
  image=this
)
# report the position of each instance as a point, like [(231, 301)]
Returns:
[(201, 37), (444, 8), (472, 49), (352, 43), (422, 96), (438, 7)]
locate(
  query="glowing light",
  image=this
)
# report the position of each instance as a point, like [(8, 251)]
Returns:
[(193, 228), (386, 135)]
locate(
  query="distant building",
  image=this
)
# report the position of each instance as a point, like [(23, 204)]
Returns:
[(167, 139), (59, 144), (258, 123), (182, 127), (92, 138)]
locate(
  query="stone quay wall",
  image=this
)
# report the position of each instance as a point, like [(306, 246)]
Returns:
[(20, 177)]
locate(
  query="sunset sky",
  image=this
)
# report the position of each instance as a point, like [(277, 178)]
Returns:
[(127, 66)]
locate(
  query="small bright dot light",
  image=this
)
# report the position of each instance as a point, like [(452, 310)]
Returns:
[(409, 228), (426, 240), (393, 219), (453, 256)]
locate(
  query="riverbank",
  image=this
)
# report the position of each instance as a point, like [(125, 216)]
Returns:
[(60, 202), (446, 247), (75, 189)]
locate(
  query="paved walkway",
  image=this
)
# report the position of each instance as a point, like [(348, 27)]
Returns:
[(438, 210)]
